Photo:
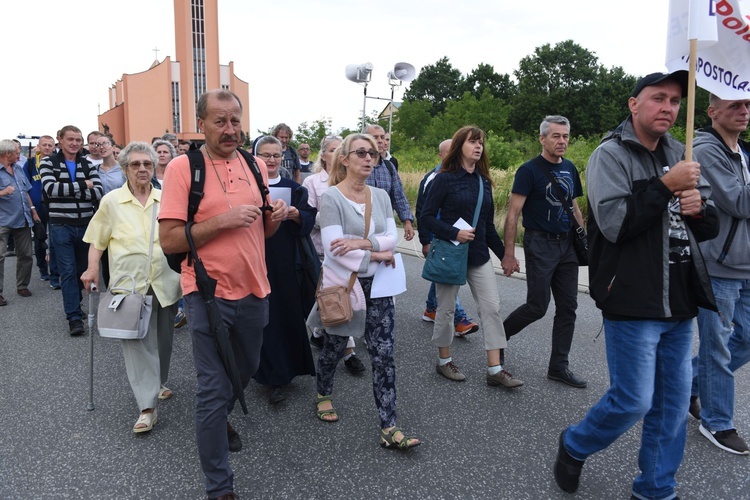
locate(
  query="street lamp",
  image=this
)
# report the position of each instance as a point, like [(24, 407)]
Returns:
[(361, 73)]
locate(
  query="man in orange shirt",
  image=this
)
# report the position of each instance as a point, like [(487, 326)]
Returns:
[(230, 228)]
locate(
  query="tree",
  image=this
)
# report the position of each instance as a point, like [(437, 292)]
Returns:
[(437, 83), (555, 81), (314, 133), (484, 77), (488, 113)]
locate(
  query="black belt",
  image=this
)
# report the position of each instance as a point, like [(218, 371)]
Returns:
[(549, 236)]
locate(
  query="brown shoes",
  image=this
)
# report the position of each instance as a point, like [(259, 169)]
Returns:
[(503, 378), (450, 371), (3, 302), (24, 292)]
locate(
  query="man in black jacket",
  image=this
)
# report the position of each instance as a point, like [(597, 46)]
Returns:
[(648, 210)]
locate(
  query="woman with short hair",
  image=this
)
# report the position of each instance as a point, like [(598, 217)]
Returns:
[(123, 225)]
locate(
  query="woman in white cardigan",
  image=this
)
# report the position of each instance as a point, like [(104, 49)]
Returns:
[(347, 250)]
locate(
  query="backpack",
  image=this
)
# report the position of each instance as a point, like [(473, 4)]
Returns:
[(197, 181)]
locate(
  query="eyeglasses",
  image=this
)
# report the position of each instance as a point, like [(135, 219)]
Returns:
[(103, 144), (136, 165), (303, 149), (267, 156), (361, 153), (93, 145)]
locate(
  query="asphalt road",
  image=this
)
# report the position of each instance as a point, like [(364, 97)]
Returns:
[(479, 442)]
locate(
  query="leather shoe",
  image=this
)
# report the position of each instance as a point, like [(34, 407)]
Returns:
[(567, 377), (277, 395), (76, 327), (24, 292), (317, 341), (3, 302), (235, 442), (567, 469), (354, 365), (695, 407), (450, 371), (503, 378)]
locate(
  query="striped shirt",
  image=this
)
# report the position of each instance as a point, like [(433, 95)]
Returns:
[(70, 201)]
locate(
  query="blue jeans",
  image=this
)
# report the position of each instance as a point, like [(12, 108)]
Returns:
[(71, 256), (431, 305), (723, 349), (649, 371)]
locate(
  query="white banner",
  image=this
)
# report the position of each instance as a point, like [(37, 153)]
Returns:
[(722, 28)]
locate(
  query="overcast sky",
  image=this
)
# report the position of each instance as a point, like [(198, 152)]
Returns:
[(293, 52)]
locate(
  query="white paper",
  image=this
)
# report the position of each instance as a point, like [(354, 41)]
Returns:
[(284, 193), (389, 281), (460, 224)]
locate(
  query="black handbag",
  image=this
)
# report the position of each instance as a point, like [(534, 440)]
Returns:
[(446, 262), (577, 232)]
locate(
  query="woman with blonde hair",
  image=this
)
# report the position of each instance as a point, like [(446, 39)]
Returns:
[(349, 250)]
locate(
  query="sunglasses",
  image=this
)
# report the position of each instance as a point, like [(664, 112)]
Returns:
[(362, 153)]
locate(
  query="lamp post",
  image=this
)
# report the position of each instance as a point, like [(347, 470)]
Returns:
[(361, 73)]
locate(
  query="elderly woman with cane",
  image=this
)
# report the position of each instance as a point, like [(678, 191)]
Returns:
[(123, 225)]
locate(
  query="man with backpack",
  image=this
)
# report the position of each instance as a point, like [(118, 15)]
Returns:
[(231, 222)]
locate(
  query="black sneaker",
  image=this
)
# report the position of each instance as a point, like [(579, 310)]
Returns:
[(567, 469), (354, 365), (276, 396), (235, 442), (317, 341), (727, 440), (76, 327), (695, 407), (567, 377)]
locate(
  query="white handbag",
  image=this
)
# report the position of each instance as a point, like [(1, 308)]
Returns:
[(123, 313)]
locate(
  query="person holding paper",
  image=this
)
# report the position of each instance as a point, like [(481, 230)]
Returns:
[(349, 250), (286, 352), (454, 194)]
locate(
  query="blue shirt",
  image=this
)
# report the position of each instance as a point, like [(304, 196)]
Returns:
[(71, 168), (454, 195), (15, 211), (386, 178), (543, 210)]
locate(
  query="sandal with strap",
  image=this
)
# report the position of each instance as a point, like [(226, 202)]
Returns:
[(147, 420), (165, 393), (388, 439), (322, 414)]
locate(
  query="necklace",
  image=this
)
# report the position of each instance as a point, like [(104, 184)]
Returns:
[(355, 196), (223, 184)]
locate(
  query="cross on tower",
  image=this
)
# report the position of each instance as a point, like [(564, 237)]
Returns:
[(156, 53)]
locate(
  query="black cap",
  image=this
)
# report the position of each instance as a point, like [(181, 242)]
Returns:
[(680, 77)]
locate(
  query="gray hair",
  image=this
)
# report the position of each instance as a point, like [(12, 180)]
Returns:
[(169, 137), (137, 147), (162, 142), (7, 146), (267, 139), (372, 125), (549, 120), (201, 108), (282, 127)]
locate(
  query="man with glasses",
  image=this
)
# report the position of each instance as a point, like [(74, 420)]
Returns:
[(94, 157), (72, 186), (304, 159)]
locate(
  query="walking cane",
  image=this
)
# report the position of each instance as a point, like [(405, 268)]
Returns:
[(90, 404)]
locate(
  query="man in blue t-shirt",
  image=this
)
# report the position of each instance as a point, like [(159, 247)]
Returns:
[(551, 262)]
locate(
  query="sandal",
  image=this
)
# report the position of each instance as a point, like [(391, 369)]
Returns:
[(165, 392), (147, 420), (322, 414), (388, 439)]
